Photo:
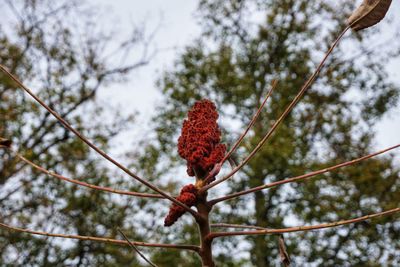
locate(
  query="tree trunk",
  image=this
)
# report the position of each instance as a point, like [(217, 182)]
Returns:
[(260, 248)]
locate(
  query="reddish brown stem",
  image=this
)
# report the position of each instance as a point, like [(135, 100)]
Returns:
[(301, 177), (204, 231), (282, 117), (305, 228), (101, 239), (95, 148), (228, 225), (95, 187)]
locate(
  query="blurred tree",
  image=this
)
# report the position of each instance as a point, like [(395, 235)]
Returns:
[(61, 49), (245, 45)]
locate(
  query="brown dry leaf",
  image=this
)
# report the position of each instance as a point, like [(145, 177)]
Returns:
[(369, 13), (5, 143)]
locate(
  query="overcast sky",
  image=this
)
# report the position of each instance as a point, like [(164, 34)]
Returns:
[(178, 28)]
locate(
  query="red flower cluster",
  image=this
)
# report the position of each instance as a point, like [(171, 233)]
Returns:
[(199, 144), (200, 139), (187, 196)]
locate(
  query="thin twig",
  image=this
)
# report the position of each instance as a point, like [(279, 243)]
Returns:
[(98, 150), (227, 225), (282, 117), (305, 228), (301, 177), (136, 249), (101, 239), (253, 120), (92, 186)]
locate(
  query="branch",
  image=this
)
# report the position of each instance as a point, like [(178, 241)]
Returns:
[(305, 228), (98, 150), (282, 117), (253, 120), (227, 225), (301, 177), (136, 249), (95, 187), (101, 239)]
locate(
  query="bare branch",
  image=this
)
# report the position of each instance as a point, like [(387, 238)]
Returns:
[(227, 225), (136, 249), (301, 177), (95, 187), (101, 239), (98, 150), (305, 228), (282, 117), (253, 120)]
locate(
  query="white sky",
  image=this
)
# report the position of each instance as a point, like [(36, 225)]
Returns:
[(179, 27)]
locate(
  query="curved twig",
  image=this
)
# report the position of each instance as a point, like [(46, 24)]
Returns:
[(92, 186), (282, 117), (101, 239), (253, 120), (228, 225), (136, 249), (97, 149), (301, 177), (305, 228)]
